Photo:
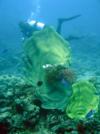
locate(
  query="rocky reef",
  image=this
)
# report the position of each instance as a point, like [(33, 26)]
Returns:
[(16, 107), (49, 98), (20, 114)]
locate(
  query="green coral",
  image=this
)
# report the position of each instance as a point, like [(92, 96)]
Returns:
[(83, 100), (43, 48), (47, 50), (58, 81)]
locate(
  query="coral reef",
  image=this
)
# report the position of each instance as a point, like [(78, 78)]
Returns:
[(13, 61), (84, 101), (49, 99), (16, 107), (20, 114)]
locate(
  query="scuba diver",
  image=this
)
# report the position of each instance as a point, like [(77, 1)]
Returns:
[(27, 28)]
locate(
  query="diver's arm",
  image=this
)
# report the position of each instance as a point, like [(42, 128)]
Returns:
[(62, 20)]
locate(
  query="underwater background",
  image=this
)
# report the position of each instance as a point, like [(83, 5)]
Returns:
[(26, 108), (87, 26)]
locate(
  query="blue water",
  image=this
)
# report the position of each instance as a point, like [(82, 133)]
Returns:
[(48, 11), (21, 104)]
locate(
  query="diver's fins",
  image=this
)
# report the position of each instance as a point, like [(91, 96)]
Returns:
[(62, 20)]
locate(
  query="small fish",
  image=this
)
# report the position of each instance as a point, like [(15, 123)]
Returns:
[(90, 114), (65, 83), (67, 86)]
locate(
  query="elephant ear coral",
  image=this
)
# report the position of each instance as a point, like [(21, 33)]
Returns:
[(43, 48), (47, 50), (58, 81), (84, 100)]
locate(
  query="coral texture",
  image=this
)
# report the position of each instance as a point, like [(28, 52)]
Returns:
[(84, 100)]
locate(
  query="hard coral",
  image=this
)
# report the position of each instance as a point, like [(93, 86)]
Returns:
[(16, 105), (58, 73)]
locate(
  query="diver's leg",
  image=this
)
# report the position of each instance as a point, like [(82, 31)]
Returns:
[(62, 20)]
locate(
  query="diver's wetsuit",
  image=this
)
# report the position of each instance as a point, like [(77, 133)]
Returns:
[(62, 20), (28, 29)]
